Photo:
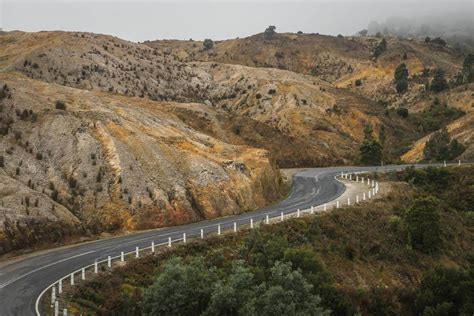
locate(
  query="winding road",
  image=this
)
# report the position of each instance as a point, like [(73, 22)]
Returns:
[(22, 281)]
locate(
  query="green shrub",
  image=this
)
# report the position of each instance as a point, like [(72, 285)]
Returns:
[(208, 44), (438, 83), (423, 225)]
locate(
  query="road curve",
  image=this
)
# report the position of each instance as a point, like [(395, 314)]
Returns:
[(21, 282)]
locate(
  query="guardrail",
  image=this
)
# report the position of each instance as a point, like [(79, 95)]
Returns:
[(56, 288)]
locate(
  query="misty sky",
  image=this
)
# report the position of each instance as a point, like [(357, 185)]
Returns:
[(218, 19)]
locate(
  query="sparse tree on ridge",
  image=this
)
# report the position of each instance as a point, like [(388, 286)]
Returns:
[(208, 44), (269, 32)]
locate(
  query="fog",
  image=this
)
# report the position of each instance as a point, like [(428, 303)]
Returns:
[(218, 19)]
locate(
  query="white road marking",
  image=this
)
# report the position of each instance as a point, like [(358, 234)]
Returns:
[(43, 267)]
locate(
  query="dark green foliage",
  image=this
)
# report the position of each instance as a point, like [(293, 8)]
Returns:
[(436, 116), (180, 289), (423, 225), (430, 179), (60, 105), (440, 147), (194, 289), (468, 68), (269, 32), (401, 86), (460, 195), (403, 112), (358, 82), (370, 152), (380, 48), (2, 161), (438, 83), (370, 149), (446, 291), (208, 44), (401, 73)]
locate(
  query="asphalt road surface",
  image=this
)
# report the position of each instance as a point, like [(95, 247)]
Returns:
[(22, 282)]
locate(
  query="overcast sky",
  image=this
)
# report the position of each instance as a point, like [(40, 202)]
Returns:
[(218, 19)]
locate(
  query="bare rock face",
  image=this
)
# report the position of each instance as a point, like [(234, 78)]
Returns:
[(105, 162)]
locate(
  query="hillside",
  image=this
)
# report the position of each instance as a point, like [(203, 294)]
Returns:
[(342, 61), (110, 162), (323, 123)]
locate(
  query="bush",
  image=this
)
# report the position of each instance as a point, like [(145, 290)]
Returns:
[(446, 291), (380, 48), (438, 83), (401, 86), (269, 32), (468, 68), (358, 83), (401, 73), (423, 225), (208, 44), (60, 105), (440, 147), (180, 289)]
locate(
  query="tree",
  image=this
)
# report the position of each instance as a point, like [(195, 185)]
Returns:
[(468, 68), (370, 152), (208, 44), (180, 289), (401, 86), (446, 291), (358, 82), (370, 149), (380, 48), (368, 131), (423, 224), (363, 33), (286, 293), (229, 296), (440, 147), (401, 72), (269, 32), (438, 83)]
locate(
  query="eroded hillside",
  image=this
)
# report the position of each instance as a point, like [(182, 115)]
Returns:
[(322, 123), (352, 64), (108, 162)]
